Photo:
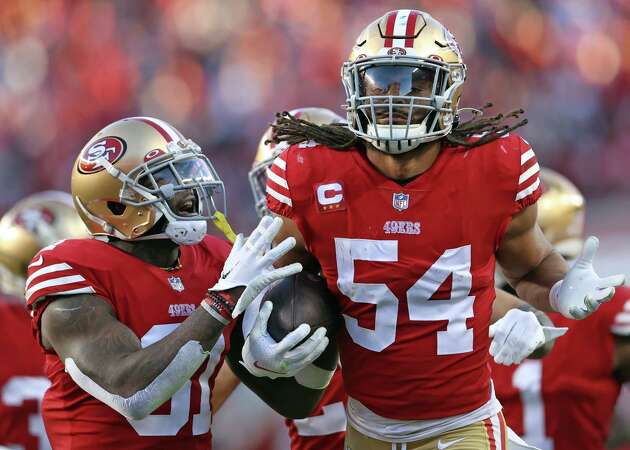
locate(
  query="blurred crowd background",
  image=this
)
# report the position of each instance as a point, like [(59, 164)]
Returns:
[(219, 71)]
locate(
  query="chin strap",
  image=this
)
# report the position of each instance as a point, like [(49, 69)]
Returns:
[(182, 232)]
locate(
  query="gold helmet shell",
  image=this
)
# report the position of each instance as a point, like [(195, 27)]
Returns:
[(561, 213), (125, 176), (34, 222), (268, 151), (397, 48)]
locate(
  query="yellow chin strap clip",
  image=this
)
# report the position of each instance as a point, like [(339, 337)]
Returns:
[(222, 224)]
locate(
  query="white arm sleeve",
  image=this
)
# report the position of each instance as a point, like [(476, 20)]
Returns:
[(139, 405)]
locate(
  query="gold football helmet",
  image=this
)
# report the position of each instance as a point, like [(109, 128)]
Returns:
[(139, 178), (403, 81), (33, 223), (561, 214), (268, 151)]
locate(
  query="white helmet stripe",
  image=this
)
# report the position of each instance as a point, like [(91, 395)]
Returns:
[(400, 27)]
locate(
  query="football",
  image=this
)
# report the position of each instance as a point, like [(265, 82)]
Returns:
[(304, 298)]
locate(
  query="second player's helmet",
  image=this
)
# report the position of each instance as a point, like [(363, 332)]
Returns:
[(403, 81), (33, 223), (561, 213), (268, 151), (139, 178)]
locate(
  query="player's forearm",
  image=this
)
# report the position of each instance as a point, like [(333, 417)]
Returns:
[(534, 287), (101, 352), (136, 370)]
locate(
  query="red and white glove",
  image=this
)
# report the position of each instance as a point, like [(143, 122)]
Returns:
[(582, 291)]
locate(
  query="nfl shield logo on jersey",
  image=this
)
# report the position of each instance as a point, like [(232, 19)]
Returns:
[(176, 283), (400, 201)]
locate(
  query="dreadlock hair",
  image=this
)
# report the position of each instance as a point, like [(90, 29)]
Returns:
[(292, 130)]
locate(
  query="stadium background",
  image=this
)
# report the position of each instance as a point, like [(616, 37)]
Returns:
[(219, 70)]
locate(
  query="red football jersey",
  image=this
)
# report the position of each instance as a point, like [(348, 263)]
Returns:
[(565, 401), (22, 380), (325, 428), (151, 302), (411, 265)]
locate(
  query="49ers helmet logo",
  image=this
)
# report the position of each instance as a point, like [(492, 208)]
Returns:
[(111, 148)]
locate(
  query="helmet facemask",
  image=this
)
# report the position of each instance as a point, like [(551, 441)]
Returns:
[(182, 186), (258, 179), (399, 102)]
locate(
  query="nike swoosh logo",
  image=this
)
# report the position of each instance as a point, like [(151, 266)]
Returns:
[(258, 366), (226, 274), (442, 445)]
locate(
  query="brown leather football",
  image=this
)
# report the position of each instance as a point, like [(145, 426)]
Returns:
[(303, 298)]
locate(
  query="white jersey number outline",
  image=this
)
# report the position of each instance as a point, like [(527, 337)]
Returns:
[(20, 388), (170, 424), (456, 310)]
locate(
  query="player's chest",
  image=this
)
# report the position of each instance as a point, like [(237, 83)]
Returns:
[(151, 298), (438, 216), (366, 231)]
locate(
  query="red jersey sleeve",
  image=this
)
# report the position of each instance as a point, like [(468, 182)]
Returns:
[(279, 198), (51, 274), (528, 186)]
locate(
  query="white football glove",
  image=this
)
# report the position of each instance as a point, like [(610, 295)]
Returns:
[(264, 357), (517, 334), (581, 291), (248, 265)]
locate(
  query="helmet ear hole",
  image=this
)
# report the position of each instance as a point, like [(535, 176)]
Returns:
[(117, 208)]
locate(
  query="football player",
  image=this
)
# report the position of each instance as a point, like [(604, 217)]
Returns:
[(34, 222), (566, 400), (325, 427), (132, 334), (405, 214)]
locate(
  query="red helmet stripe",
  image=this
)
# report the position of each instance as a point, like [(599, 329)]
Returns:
[(411, 28), (389, 29)]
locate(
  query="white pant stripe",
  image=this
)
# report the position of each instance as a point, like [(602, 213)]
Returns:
[(496, 429)]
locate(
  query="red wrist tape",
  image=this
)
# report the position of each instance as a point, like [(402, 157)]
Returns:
[(220, 305)]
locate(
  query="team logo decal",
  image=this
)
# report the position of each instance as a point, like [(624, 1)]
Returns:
[(176, 283), (397, 51), (111, 148), (33, 218), (181, 309), (400, 201), (153, 154), (401, 227)]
